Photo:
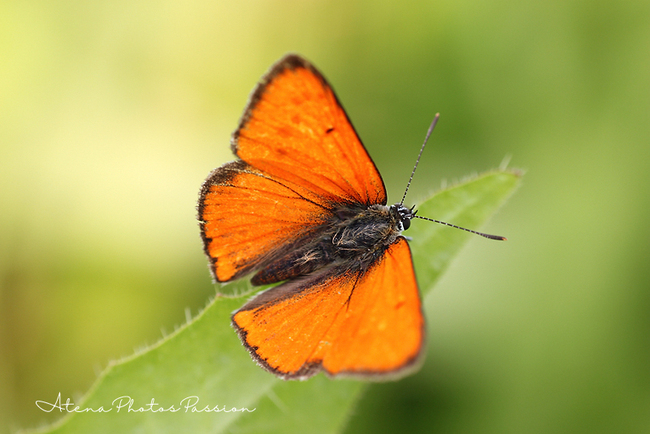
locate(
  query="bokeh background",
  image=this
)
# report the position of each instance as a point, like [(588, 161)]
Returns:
[(112, 113)]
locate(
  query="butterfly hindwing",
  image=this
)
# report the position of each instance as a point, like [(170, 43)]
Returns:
[(369, 323)]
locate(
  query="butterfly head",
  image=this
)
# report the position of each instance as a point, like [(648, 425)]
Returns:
[(403, 215)]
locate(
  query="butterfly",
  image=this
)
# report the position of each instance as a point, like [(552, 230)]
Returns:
[(305, 205)]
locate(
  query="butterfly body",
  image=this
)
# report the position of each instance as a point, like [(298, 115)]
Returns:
[(353, 238)]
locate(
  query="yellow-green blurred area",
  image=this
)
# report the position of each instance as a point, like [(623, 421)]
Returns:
[(112, 113)]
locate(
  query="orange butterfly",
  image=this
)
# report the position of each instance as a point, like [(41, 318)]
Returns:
[(305, 204)]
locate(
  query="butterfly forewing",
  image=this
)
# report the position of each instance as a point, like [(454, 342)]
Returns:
[(295, 129)]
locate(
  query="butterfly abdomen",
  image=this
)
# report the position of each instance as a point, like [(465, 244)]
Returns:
[(301, 261)]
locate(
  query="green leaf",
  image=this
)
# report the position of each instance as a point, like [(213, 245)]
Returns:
[(205, 359), (468, 204)]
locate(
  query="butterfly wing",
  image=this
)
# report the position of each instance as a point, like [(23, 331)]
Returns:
[(344, 322), (248, 218), (295, 129), (300, 160)]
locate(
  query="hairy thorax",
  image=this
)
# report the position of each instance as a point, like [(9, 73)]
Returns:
[(364, 231), (352, 239)]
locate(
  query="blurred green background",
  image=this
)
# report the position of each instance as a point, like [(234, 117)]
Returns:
[(113, 113)]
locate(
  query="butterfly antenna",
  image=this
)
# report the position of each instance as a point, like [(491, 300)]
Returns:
[(426, 139), (412, 215), (492, 237)]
